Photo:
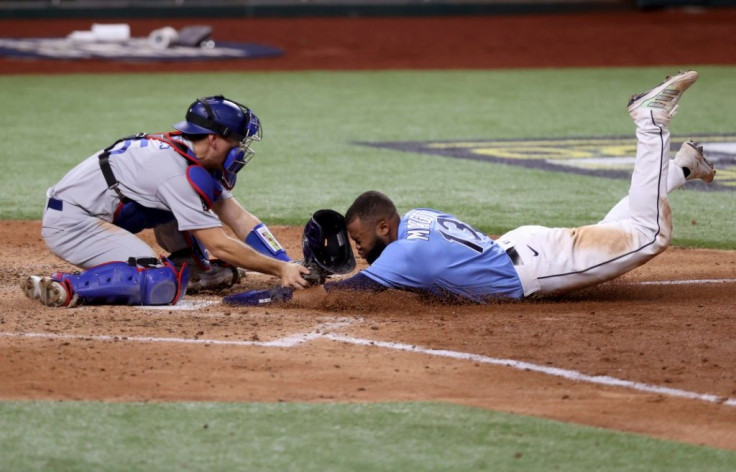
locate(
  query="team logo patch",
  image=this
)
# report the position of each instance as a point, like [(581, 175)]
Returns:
[(611, 157)]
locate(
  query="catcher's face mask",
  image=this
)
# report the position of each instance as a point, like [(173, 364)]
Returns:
[(239, 156)]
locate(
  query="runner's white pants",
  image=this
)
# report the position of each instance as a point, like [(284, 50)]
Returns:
[(558, 260)]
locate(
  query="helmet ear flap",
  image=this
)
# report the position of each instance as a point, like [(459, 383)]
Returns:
[(235, 160), (325, 242)]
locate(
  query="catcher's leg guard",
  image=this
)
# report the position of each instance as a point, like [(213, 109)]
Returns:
[(138, 282)]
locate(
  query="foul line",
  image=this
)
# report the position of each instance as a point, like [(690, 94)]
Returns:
[(323, 332), (680, 282), (527, 366)]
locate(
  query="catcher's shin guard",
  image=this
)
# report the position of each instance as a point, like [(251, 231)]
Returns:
[(137, 282)]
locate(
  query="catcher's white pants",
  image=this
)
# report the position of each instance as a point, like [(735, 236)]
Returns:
[(558, 260)]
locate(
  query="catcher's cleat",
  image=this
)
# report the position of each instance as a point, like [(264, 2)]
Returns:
[(691, 157), (55, 294), (31, 287), (206, 274), (220, 276), (662, 100)]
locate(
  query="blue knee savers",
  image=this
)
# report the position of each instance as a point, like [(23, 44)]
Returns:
[(262, 240), (137, 282), (135, 217)]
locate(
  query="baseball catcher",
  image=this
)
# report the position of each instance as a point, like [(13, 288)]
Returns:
[(177, 183)]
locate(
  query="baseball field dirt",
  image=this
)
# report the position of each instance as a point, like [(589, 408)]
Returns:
[(657, 328)]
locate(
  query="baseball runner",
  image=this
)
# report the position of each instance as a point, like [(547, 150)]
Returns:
[(178, 183), (434, 252)]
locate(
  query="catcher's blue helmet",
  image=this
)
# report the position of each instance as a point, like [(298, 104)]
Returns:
[(222, 116), (230, 119)]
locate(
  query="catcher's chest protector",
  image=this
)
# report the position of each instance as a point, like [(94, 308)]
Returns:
[(134, 217)]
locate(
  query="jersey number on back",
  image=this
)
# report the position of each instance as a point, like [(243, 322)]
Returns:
[(459, 232)]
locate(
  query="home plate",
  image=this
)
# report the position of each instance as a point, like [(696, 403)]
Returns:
[(185, 305)]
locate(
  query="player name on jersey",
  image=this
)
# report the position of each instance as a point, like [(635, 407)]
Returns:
[(417, 227)]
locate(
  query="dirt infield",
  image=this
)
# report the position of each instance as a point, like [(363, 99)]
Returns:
[(676, 336), (662, 339)]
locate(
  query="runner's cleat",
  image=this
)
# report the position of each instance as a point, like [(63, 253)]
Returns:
[(662, 100), (691, 157)]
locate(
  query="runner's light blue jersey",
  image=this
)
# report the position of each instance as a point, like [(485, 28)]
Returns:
[(440, 254)]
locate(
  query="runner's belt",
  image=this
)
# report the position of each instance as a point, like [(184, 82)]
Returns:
[(514, 256)]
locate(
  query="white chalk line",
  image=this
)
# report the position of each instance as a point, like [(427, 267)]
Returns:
[(185, 304), (527, 366), (288, 341), (323, 332), (680, 282)]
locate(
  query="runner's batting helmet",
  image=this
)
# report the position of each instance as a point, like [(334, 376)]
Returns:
[(325, 242)]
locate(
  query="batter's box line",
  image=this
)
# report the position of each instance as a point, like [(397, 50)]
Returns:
[(288, 341)]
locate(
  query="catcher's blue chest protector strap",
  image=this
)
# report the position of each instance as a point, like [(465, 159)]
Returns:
[(137, 282), (208, 188), (204, 183), (135, 217)]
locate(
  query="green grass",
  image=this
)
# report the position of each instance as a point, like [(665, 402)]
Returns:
[(308, 160), (80, 436)]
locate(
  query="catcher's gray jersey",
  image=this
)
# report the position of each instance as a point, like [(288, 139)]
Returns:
[(151, 173)]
